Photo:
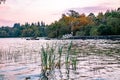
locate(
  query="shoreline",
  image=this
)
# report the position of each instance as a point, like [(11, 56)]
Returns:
[(113, 37)]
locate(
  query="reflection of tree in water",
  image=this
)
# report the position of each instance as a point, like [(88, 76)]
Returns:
[(44, 75), (68, 73), (47, 75), (2, 77)]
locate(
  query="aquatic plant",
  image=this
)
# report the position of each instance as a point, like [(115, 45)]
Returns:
[(67, 57), (74, 60), (48, 61), (68, 52), (0, 55), (60, 49), (51, 58), (44, 58), (47, 57), (68, 61)]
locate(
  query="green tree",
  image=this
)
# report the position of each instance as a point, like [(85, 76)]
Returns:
[(3, 33), (114, 23), (104, 30), (94, 31)]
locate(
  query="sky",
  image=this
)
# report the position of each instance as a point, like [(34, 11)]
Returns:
[(22, 11)]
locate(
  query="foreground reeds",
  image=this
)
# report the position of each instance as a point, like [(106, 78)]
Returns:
[(52, 57)]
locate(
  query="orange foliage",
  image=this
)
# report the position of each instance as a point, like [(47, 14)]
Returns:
[(76, 22), (80, 22)]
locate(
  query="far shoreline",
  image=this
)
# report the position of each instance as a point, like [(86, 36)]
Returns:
[(107, 37)]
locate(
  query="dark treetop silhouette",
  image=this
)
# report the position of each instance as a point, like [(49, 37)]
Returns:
[(2, 1)]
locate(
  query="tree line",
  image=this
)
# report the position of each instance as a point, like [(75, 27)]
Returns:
[(26, 30), (107, 23)]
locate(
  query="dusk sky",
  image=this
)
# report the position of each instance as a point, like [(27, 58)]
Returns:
[(21, 11)]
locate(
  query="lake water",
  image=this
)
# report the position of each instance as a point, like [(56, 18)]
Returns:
[(96, 59)]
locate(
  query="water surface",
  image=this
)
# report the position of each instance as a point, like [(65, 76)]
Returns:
[(96, 59)]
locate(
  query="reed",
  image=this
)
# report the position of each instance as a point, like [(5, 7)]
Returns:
[(74, 62), (48, 57), (51, 58), (44, 58), (0, 55), (67, 57), (67, 60), (60, 49)]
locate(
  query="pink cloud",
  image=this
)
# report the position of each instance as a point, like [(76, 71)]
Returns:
[(7, 22), (4, 7), (93, 9), (31, 11)]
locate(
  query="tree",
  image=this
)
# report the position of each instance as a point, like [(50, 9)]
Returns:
[(70, 23), (114, 23), (91, 16), (100, 19), (104, 30), (81, 23), (118, 9), (2, 1), (94, 31), (3, 33), (73, 14), (16, 25)]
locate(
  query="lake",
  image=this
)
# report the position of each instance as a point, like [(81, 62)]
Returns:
[(21, 59)]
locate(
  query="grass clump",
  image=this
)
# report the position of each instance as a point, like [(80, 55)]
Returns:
[(51, 58), (47, 58)]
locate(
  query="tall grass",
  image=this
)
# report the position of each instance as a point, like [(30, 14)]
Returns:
[(51, 58), (48, 57), (67, 57), (60, 49), (74, 60), (44, 58), (0, 55)]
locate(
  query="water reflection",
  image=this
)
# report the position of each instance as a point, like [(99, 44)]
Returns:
[(1, 77), (95, 60)]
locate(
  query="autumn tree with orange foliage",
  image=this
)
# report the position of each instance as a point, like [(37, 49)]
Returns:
[(73, 21), (79, 22), (76, 21)]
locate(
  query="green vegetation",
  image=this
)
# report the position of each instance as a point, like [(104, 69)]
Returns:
[(60, 49), (107, 23), (82, 25), (67, 57), (48, 58), (51, 57), (26, 30)]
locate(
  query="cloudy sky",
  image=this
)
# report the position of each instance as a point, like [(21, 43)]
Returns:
[(21, 11)]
